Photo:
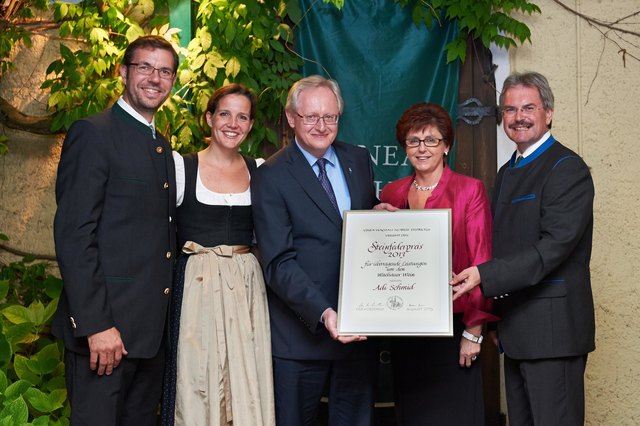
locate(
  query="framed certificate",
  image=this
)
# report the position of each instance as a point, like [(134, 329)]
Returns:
[(395, 273)]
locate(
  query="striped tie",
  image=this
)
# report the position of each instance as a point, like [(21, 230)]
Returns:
[(326, 184)]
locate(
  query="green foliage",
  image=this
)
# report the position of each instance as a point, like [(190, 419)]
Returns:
[(235, 41), (12, 32), (243, 41), (32, 389), (489, 21), (85, 79)]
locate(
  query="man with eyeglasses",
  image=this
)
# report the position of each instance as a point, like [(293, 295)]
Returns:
[(299, 196), (539, 278), (115, 243)]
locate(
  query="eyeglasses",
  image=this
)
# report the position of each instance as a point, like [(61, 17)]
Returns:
[(430, 142), (525, 110), (312, 120), (146, 69)]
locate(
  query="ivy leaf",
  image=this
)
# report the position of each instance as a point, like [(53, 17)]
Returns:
[(100, 66), (41, 401), (58, 396), (98, 35), (230, 31), (205, 39), (133, 33), (276, 46), (185, 76), (66, 53), (60, 11), (49, 311), (18, 314), (185, 135), (216, 59), (293, 10), (198, 62), (52, 286), (457, 49), (210, 70), (233, 67), (24, 371), (19, 333), (41, 421), (37, 312), (45, 361), (17, 410), (16, 389)]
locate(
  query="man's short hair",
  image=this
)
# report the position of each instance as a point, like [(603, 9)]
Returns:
[(529, 79), (150, 42), (310, 82)]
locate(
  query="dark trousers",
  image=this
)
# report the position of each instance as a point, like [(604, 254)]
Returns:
[(430, 386), (299, 385), (545, 392), (129, 396)]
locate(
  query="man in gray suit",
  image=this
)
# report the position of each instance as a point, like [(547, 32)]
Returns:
[(299, 196), (540, 280), (115, 240)]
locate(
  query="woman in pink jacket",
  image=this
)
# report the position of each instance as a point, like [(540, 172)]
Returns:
[(438, 380)]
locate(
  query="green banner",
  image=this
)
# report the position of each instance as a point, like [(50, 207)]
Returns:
[(384, 64), (180, 17)]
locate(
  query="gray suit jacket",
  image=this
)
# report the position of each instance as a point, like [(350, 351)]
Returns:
[(543, 224)]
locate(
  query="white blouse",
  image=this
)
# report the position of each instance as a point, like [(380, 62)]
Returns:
[(206, 196)]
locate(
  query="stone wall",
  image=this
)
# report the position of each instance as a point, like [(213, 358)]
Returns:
[(28, 171)]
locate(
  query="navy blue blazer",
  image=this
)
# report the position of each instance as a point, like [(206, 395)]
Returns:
[(542, 233), (114, 232), (299, 235)]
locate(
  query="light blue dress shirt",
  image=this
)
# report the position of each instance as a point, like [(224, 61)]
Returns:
[(335, 175)]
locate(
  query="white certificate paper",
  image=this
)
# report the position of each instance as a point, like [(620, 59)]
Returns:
[(395, 273)]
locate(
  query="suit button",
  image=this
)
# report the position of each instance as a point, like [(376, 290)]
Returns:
[(170, 219), (166, 185), (166, 291), (73, 322), (168, 255), (159, 150)]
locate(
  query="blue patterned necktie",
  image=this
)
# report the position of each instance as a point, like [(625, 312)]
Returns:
[(326, 184)]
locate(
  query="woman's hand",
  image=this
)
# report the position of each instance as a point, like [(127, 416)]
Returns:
[(386, 206), (469, 350)]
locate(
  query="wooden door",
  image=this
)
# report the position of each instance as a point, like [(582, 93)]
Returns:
[(475, 155)]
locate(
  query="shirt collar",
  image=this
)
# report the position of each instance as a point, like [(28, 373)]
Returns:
[(135, 114), (536, 145), (329, 154)]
